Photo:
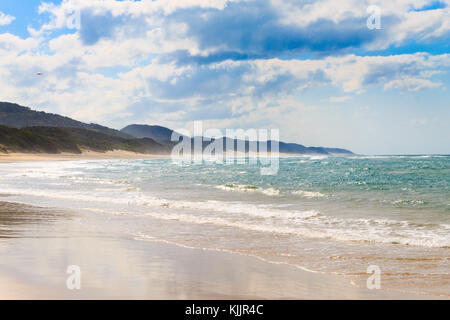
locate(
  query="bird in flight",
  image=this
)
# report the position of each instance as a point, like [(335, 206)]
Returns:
[(39, 73)]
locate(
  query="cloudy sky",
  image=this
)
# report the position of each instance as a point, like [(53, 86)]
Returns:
[(313, 69)]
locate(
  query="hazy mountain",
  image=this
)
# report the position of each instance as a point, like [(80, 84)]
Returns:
[(14, 115), (33, 131), (157, 133), (71, 140), (163, 135)]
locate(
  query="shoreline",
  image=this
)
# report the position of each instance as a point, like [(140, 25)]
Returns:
[(118, 266), (85, 155), (110, 155)]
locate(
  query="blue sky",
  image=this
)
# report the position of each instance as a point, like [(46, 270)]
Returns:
[(313, 69)]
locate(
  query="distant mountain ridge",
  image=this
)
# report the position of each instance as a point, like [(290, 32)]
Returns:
[(26, 130), (16, 116), (163, 135), (157, 133)]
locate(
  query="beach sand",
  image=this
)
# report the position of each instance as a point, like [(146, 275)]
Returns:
[(91, 155), (38, 244), (85, 155)]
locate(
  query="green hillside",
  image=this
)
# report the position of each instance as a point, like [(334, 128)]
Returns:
[(16, 116), (72, 140)]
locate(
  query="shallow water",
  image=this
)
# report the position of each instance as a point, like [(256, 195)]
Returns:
[(324, 214)]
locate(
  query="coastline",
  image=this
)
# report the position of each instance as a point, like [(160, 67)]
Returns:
[(85, 155), (35, 253), (91, 155)]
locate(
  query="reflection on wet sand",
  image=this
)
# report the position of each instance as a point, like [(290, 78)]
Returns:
[(38, 244), (18, 220)]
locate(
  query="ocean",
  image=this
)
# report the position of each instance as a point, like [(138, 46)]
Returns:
[(323, 214)]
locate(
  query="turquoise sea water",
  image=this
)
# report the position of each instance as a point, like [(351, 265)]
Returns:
[(323, 214)]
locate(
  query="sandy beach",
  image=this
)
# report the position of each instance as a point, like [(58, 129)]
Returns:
[(85, 155), (38, 244), (92, 155)]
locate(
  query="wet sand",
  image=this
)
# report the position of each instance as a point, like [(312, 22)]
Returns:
[(38, 244)]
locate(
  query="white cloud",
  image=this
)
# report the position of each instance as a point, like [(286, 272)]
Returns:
[(356, 73), (225, 92), (134, 75), (411, 84), (400, 22), (13, 45), (6, 19)]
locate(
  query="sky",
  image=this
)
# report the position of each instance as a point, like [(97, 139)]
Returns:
[(369, 76)]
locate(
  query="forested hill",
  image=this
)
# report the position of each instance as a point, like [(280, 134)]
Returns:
[(72, 140), (14, 115)]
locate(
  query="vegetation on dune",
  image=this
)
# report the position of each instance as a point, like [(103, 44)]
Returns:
[(72, 140), (27, 130), (16, 116)]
